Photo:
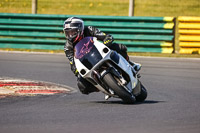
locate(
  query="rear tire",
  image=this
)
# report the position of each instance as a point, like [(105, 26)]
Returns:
[(143, 94), (111, 82)]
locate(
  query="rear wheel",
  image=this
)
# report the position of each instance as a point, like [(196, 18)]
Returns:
[(118, 89), (143, 94)]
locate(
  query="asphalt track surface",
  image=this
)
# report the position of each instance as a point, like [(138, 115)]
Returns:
[(172, 106)]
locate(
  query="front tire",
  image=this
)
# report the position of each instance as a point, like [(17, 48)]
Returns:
[(111, 82), (143, 94)]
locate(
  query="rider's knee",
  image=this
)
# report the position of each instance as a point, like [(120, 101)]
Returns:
[(86, 87), (123, 47)]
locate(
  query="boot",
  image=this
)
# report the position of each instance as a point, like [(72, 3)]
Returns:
[(136, 66)]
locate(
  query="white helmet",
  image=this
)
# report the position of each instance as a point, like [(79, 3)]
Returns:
[(73, 28)]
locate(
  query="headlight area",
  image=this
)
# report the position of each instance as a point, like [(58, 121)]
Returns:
[(105, 50), (83, 71)]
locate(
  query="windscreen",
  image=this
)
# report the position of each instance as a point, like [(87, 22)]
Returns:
[(87, 53)]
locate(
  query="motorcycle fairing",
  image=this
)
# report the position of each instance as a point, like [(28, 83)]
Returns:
[(105, 56)]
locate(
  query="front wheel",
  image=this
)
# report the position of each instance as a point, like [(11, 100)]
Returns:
[(143, 94), (112, 83)]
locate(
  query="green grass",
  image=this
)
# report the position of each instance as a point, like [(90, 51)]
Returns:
[(80, 7), (105, 7), (167, 8)]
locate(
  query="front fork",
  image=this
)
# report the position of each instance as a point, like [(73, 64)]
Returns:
[(116, 74), (98, 76), (120, 79)]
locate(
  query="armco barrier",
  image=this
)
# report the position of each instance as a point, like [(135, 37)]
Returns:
[(189, 34), (139, 34)]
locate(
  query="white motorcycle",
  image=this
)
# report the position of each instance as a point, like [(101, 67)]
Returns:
[(108, 71)]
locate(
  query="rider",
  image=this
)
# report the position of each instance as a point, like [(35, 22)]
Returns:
[(75, 31)]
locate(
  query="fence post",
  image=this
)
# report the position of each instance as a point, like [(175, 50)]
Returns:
[(34, 6), (131, 7), (175, 33)]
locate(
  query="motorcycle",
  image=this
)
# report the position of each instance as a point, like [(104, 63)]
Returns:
[(108, 71)]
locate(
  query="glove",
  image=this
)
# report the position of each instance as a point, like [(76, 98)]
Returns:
[(108, 40), (73, 68)]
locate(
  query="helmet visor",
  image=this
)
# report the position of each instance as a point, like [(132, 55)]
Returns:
[(71, 33)]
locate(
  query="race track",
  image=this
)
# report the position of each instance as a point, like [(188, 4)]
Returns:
[(172, 105)]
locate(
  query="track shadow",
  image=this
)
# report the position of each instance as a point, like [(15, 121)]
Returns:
[(121, 102), (149, 102)]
